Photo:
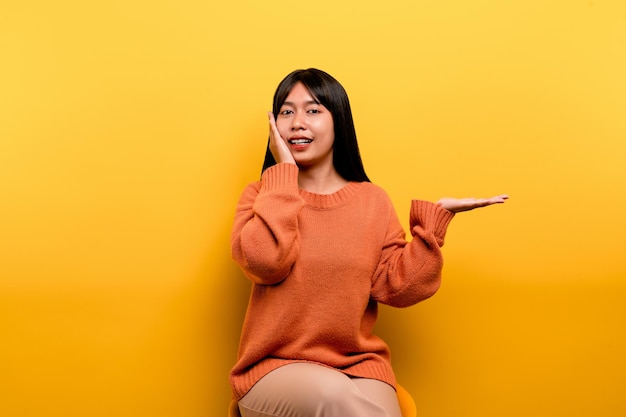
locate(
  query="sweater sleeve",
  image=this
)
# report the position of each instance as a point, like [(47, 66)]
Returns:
[(265, 237), (411, 272)]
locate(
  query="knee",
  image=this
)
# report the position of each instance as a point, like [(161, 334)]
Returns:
[(345, 399)]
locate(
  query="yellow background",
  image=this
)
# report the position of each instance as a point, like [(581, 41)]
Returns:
[(129, 128)]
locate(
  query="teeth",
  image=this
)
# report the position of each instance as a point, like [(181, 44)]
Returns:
[(300, 141)]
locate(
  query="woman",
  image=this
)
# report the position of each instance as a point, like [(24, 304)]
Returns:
[(323, 246)]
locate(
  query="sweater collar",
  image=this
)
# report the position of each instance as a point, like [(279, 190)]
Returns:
[(329, 201)]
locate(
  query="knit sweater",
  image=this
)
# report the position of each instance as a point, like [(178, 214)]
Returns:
[(320, 264)]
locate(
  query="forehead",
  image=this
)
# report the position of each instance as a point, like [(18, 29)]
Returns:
[(299, 94)]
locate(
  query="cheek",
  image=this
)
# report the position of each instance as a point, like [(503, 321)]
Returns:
[(325, 127)]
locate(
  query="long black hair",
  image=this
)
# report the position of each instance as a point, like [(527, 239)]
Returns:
[(331, 94)]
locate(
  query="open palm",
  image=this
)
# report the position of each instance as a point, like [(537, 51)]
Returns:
[(457, 205)]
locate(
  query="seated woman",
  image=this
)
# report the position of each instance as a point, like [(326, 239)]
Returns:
[(323, 246)]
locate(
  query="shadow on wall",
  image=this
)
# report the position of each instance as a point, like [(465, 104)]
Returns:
[(226, 298), (225, 301)]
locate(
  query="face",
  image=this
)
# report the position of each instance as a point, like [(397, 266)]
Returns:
[(307, 128)]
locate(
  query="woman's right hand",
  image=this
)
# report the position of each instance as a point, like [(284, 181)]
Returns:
[(278, 147)]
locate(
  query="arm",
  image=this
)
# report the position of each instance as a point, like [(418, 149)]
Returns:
[(411, 272), (265, 237)]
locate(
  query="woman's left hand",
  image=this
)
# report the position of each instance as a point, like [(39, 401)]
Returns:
[(457, 205)]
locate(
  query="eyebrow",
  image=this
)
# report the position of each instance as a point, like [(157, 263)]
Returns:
[(291, 103)]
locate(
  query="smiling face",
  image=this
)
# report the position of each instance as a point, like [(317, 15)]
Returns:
[(307, 128)]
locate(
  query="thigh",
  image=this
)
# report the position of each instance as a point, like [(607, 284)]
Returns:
[(308, 390), (288, 391)]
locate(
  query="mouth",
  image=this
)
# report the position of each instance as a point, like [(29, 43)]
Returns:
[(300, 141)]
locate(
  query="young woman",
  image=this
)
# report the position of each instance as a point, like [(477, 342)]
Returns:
[(323, 246)]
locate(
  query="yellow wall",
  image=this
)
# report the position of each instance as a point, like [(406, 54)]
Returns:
[(128, 129)]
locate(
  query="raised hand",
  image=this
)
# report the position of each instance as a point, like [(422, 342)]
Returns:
[(457, 205), (278, 147)]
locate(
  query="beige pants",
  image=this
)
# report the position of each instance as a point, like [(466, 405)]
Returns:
[(309, 390)]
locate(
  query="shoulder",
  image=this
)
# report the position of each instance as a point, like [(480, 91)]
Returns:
[(373, 190), (253, 187), (375, 195), (250, 192)]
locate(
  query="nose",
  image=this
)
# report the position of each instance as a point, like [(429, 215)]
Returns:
[(298, 121)]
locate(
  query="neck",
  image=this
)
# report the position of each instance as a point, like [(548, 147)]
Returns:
[(320, 181)]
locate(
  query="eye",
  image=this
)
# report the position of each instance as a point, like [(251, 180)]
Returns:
[(314, 111), (286, 112)]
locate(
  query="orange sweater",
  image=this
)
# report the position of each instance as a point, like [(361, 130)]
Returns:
[(319, 265)]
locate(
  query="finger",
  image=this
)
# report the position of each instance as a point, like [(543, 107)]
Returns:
[(472, 203), (275, 137), (272, 121), (482, 202), (500, 199), (491, 200)]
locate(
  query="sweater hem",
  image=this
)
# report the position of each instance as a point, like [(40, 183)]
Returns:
[(242, 383)]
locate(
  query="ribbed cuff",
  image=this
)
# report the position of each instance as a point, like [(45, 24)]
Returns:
[(431, 217), (280, 176)]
